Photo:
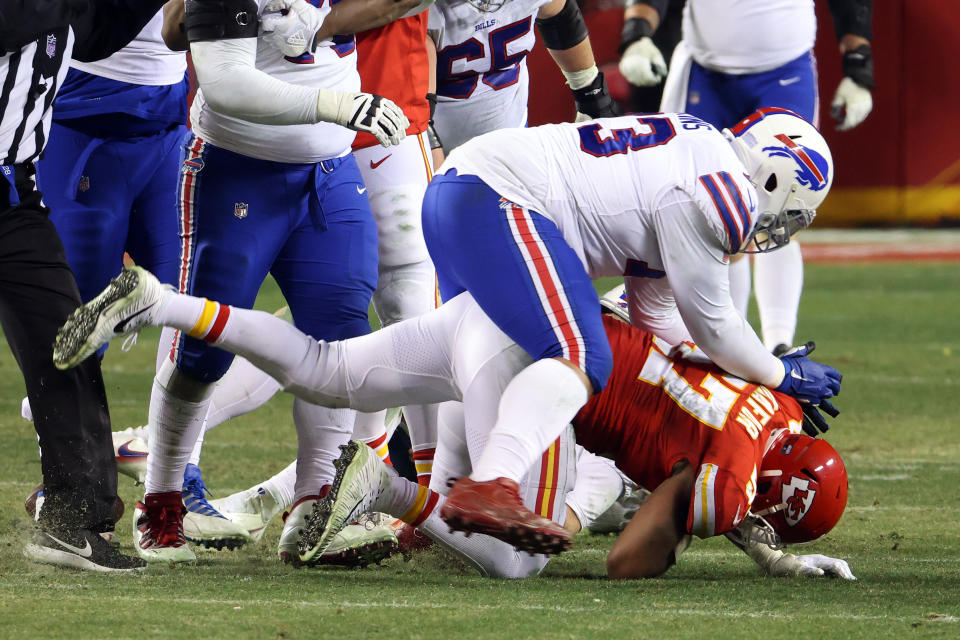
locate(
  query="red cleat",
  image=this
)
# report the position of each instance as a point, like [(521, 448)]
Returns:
[(494, 508)]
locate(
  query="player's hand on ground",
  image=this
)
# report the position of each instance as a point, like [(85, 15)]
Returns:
[(806, 380), (373, 114), (642, 64), (594, 101), (813, 421), (291, 25), (813, 565), (853, 102)]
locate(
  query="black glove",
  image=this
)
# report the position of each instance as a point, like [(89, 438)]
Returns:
[(858, 66), (814, 423), (594, 100)]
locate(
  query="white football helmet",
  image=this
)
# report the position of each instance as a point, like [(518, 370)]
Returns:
[(790, 165)]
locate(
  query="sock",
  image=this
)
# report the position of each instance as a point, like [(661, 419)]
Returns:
[(379, 445), (422, 423), (174, 426), (536, 406), (778, 279), (406, 500), (423, 461), (320, 432), (198, 445), (598, 486), (185, 312), (740, 284), (241, 390), (491, 557)]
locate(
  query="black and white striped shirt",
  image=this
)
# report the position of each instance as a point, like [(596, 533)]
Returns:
[(36, 43), (31, 77)]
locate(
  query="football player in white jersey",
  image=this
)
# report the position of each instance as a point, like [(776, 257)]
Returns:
[(737, 57), (267, 184), (482, 77), (663, 200)]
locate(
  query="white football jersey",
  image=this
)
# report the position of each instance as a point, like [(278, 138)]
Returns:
[(746, 36), (332, 66), (482, 79), (601, 183), (145, 61)]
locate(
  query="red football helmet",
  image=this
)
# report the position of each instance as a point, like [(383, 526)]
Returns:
[(801, 487)]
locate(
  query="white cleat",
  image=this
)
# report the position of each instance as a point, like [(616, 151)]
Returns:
[(158, 530), (293, 524), (251, 510), (360, 477), (369, 541), (131, 454), (123, 307)]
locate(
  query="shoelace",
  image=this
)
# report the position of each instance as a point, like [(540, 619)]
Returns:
[(164, 527), (195, 494), (129, 341)]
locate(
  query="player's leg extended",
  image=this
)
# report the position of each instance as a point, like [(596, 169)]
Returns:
[(406, 287), (778, 275)]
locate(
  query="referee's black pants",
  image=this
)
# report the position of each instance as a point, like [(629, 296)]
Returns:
[(37, 293)]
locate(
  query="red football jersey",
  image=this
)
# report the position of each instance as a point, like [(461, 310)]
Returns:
[(664, 405), (392, 61)]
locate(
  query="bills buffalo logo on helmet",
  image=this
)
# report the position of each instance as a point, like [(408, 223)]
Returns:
[(812, 168), (798, 496)]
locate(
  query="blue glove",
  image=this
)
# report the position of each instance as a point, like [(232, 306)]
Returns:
[(806, 380)]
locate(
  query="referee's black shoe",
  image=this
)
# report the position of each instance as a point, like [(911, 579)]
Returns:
[(79, 549)]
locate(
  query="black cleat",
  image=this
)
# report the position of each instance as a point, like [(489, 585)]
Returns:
[(78, 549)]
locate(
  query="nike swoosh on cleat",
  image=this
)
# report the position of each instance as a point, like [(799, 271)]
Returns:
[(374, 165), (788, 81), (83, 553), (122, 325), (124, 451)]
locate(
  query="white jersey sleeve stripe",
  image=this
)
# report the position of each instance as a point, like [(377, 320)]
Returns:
[(704, 505), (548, 285)]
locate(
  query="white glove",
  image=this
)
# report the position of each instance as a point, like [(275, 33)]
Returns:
[(853, 102), (291, 25), (364, 112), (814, 565), (642, 64)]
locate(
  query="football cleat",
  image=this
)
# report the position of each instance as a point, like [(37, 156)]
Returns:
[(616, 518), (123, 307), (131, 455), (203, 524), (370, 540), (251, 510), (494, 508), (293, 524), (360, 477), (78, 549), (158, 529)]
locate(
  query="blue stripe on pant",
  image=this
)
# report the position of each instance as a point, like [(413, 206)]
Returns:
[(722, 99), (308, 224), (520, 270)]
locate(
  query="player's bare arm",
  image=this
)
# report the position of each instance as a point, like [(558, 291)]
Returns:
[(646, 547), (564, 33), (174, 36), (354, 16)]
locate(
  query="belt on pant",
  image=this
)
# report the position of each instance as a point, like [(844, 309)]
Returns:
[(20, 182)]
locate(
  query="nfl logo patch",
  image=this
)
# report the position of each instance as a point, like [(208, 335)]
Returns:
[(240, 210), (51, 46), (84, 184)]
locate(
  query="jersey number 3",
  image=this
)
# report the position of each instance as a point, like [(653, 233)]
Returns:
[(650, 131)]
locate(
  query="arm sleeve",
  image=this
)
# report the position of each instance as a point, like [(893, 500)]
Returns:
[(233, 86), (698, 274), (660, 6), (853, 17)]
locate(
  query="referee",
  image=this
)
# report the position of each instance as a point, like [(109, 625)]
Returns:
[(37, 288)]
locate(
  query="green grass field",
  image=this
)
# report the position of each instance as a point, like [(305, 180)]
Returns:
[(890, 328)]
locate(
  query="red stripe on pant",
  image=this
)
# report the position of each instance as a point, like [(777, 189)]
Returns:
[(545, 281)]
